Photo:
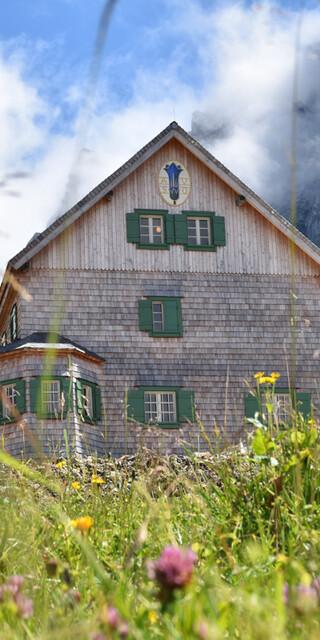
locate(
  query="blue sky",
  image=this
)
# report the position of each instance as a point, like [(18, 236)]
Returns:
[(226, 64)]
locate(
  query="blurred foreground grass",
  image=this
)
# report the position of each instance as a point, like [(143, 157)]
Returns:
[(252, 519)]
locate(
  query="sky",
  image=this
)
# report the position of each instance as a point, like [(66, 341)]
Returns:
[(223, 70)]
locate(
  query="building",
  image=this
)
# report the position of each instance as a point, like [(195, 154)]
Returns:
[(138, 315)]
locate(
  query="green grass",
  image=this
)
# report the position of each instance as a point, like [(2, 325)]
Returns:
[(253, 520)]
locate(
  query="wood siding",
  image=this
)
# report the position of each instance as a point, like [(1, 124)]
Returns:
[(98, 239)]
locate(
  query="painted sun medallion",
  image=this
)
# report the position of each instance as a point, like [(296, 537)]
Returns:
[(174, 183)]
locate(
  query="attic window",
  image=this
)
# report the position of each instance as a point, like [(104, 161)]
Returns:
[(13, 323), (151, 230), (199, 231)]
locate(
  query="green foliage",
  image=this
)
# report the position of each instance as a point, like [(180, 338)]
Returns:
[(253, 520)]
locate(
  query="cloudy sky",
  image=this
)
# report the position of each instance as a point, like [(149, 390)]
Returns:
[(223, 70)]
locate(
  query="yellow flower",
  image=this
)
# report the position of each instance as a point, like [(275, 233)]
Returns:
[(61, 464), (275, 375), (96, 479), (76, 485), (83, 524), (259, 374), (153, 617), (265, 380)]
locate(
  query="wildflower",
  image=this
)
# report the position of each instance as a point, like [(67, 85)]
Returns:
[(173, 570), (153, 617), (76, 485), (11, 591), (24, 606), (111, 618), (259, 374), (275, 375), (203, 631), (96, 479), (304, 598), (61, 464), (83, 524)]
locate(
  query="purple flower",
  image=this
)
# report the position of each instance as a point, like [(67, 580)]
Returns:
[(303, 598), (173, 570), (14, 584), (110, 617), (24, 606)]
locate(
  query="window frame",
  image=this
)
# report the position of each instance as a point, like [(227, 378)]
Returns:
[(293, 393), (20, 405), (81, 383), (36, 396), (197, 220), (159, 408), (164, 300), (44, 410), (180, 399), (151, 218)]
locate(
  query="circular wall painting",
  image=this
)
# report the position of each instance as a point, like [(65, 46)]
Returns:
[(174, 183)]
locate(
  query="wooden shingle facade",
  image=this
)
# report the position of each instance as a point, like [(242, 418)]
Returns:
[(160, 294)]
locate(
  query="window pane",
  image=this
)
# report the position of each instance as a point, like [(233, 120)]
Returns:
[(144, 230), (168, 407), (282, 407), (157, 230), (192, 231), (150, 407), (50, 395), (157, 316), (9, 400), (204, 232), (87, 400)]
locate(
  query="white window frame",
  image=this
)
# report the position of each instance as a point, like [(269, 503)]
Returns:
[(281, 406), (156, 329), (159, 406), (13, 323), (150, 229), (87, 400), (9, 392), (47, 403), (198, 242)]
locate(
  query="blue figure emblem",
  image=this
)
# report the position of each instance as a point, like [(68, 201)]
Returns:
[(173, 170)]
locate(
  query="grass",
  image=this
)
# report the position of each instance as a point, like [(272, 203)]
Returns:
[(252, 519)]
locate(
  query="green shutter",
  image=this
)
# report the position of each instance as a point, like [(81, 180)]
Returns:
[(96, 403), (172, 317), (79, 397), (145, 315), (303, 404), (185, 405), (135, 408), (66, 389), (35, 400), (169, 228), (180, 227), (251, 406), (21, 395), (133, 227), (219, 233)]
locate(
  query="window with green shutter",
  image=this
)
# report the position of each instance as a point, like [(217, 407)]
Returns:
[(200, 230), (12, 400), (160, 406), (284, 402), (88, 401), (150, 228), (161, 316), (51, 397)]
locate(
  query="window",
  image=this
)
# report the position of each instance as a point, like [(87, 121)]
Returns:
[(9, 401), (165, 407), (160, 406), (51, 397), (284, 404), (88, 401), (150, 229), (12, 400), (199, 231), (161, 316), (157, 317), (4, 339), (13, 323)]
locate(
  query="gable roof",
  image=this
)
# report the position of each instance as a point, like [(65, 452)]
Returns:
[(40, 240)]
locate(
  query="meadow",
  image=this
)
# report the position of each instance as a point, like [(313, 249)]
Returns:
[(212, 546)]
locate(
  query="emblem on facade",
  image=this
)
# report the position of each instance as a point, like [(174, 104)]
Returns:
[(174, 183)]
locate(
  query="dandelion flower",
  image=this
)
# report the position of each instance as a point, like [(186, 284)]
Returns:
[(97, 480), (82, 524), (259, 374), (61, 464), (275, 375), (76, 485), (153, 617)]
